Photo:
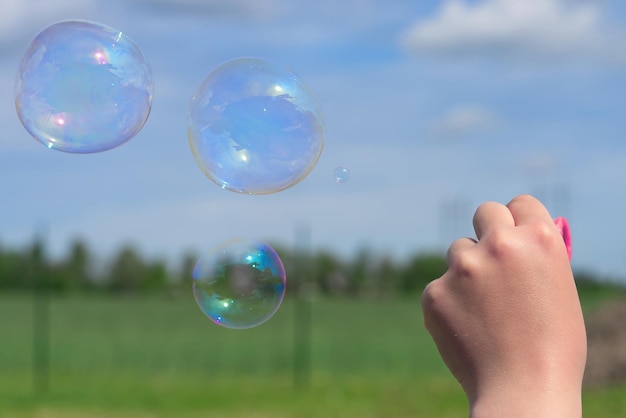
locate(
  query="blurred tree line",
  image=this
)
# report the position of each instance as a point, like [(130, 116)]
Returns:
[(128, 271), (367, 274)]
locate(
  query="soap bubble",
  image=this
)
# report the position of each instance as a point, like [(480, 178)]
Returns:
[(254, 127), (239, 284), (341, 174), (83, 87)]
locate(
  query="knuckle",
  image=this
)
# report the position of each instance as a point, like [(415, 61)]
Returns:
[(463, 263), (545, 236), (500, 245), (430, 301), (429, 295), (523, 199)]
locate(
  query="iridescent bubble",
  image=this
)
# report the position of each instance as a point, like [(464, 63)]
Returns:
[(254, 127), (341, 174), (239, 284), (83, 87)]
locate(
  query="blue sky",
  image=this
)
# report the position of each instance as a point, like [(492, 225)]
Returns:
[(434, 106)]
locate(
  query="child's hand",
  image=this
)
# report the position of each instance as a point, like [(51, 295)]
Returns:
[(506, 316)]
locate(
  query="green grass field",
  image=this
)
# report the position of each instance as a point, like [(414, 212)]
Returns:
[(159, 357)]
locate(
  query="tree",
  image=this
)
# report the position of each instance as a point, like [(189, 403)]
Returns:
[(155, 277), (77, 266), (14, 270), (359, 271), (421, 270), (327, 272), (385, 276), (127, 272)]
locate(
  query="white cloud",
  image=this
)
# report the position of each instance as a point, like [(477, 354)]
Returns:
[(463, 121), (527, 28)]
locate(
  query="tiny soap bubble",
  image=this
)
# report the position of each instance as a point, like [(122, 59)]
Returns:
[(240, 283), (83, 87), (341, 174), (254, 127)]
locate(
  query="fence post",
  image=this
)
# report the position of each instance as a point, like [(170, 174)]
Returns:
[(41, 318), (302, 310)]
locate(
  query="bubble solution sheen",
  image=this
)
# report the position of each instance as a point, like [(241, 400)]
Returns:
[(83, 87), (240, 283), (254, 127)]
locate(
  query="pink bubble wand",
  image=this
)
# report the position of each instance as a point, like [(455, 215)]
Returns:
[(563, 226)]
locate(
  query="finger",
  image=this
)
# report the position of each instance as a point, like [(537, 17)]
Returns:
[(491, 215), (457, 247), (526, 209)]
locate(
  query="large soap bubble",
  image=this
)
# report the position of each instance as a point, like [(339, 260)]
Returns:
[(240, 283), (254, 127), (83, 87)]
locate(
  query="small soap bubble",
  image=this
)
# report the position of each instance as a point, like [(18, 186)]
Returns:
[(83, 87), (341, 174), (254, 127), (240, 283)]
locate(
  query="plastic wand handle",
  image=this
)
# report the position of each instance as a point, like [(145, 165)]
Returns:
[(563, 226)]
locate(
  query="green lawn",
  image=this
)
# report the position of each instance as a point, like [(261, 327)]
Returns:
[(159, 357)]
